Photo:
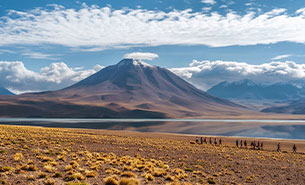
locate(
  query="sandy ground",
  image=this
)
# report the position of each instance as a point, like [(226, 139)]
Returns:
[(34, 155)]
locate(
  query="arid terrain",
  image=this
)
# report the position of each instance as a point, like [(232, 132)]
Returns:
[(34, 155)]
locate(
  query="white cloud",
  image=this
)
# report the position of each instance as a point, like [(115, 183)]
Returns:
[(301, 11), (281, 57), (97, 67), (2, 51), (95, 28), (141, 56), (205, 74), (38, 55), (16, 77), (206, 9), (208, 1)]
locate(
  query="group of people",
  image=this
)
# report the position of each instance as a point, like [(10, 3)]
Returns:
[(240, 144), (205, 140), (254, 145)]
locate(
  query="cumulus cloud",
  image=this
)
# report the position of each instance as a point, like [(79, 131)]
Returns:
[(208, 1), (141, 56), (301, 11), (94, 28), (16, 77), (281, 57), (205, 74)]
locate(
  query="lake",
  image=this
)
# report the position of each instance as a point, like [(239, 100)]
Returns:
[(286, 129)]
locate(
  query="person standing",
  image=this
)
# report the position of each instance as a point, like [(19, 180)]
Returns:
[(294, 148), (220, 141), (278, 147), (245, 143), (236, 142), (201, 140)]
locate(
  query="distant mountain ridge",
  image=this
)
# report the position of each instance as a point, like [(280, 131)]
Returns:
[(247, 89), (293, 107), (129, 89), (4, 91)]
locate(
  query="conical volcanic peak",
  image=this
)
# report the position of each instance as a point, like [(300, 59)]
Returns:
[(136, 82), (130, 88)]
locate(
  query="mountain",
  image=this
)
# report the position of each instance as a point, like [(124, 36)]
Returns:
[(130, 88), (4, 91), (293, 107), (247, 89)]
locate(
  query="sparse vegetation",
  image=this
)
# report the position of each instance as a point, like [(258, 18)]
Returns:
[(73, 157), (5, 169)]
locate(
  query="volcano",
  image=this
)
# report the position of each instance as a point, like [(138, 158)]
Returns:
[(129, 89)]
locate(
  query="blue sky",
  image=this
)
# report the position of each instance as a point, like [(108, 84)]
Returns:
[(84, 34)]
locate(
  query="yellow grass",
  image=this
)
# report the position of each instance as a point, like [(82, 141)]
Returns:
[(82, 157)]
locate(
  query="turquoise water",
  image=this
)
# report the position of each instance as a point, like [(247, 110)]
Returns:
[(286, 129)]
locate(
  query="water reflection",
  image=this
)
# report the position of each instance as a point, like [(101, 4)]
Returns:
[(252, 128)]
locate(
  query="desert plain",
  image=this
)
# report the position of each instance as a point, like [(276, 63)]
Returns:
[(36, 155)]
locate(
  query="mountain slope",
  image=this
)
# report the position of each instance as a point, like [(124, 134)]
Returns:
[(136, 81), (4, 91), (293, 107), (130, 88), (247, 89)]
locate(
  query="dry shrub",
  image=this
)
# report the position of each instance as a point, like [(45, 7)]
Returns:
[(57, 174), (74, 164), (79, 176), (48, 168), (61, 158), (30, 177), (5, 169), (149, 177), (111, 181), (77, 183), (90, 173), (49, 182), (128, 174), (129, 181), (68, 167), (46, 159), (18, 157), (174, 183), (169, 178), (42, 175), (158, 172)]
